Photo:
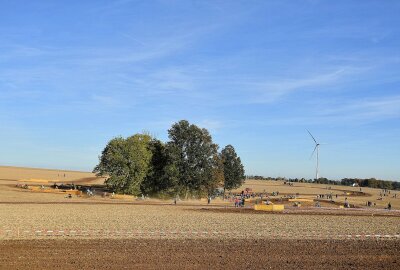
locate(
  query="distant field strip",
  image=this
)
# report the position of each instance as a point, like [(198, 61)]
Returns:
[(95, 233)]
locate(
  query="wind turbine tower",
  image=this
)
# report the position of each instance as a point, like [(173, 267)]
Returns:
[(316, 148)]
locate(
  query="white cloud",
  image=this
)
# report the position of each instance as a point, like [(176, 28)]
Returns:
[(269, 91), (367, 109), (108, 101), (211, 125)]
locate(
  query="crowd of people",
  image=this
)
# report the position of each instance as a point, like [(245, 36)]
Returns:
[(327, 196)]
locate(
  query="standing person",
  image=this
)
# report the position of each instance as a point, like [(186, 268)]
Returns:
[(209, 200), (389, 206), (346, 203)]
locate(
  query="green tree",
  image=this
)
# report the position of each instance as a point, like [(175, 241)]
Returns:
[(126, 162), (217, 177), (161, 176), (233, 168), (192, 151)]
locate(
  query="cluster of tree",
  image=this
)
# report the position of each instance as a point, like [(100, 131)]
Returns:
[(326, 181), (259, 177), (256, 177), (372, 183), (188, 164)]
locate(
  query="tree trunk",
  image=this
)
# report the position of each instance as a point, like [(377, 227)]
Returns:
[(186, 193)]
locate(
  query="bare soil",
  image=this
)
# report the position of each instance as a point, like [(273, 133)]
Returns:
[(199, 254)]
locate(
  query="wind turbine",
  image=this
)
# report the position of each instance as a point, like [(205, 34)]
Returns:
[(317, 149)]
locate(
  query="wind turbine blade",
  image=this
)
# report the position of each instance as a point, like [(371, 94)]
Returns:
[(312, 137), (315, 148)]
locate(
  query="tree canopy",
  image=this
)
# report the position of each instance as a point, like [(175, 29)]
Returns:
[(233, 168), (126, 162), (193, 152), (162, 173)]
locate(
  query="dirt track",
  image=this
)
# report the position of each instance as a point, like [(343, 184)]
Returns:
[(304, 211), (199, 254)]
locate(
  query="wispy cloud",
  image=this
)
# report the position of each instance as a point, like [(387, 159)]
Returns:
[(366, 109), (98, 57), (374, 33), (109, 101), (18, 51), (163, 81), (111, 6), (20, 94), (212, 125), (345, 112), (110, 71), (259, 90), (273, 90)]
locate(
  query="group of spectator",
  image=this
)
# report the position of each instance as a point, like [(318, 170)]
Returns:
[(327, 196), (239, 202)]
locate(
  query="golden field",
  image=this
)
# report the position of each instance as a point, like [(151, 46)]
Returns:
[(10, 176), (43, 176)]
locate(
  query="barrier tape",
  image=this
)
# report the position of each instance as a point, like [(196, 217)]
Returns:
[(17, 233)]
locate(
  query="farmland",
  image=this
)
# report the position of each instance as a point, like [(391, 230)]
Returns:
[(96, 232)]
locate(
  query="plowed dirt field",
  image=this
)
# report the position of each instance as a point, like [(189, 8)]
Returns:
[(199, 254)]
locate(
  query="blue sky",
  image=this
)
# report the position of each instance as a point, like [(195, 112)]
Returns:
[(257, 74)]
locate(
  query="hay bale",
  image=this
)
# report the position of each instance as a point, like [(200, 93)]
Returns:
[(123, 197), (270, 208), (73, 192)]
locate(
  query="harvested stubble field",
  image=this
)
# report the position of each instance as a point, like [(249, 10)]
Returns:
[(40, 230), (32, 175), (163, 221)]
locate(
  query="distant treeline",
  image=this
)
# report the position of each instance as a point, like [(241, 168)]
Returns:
[(301, 180), (370, 182)]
